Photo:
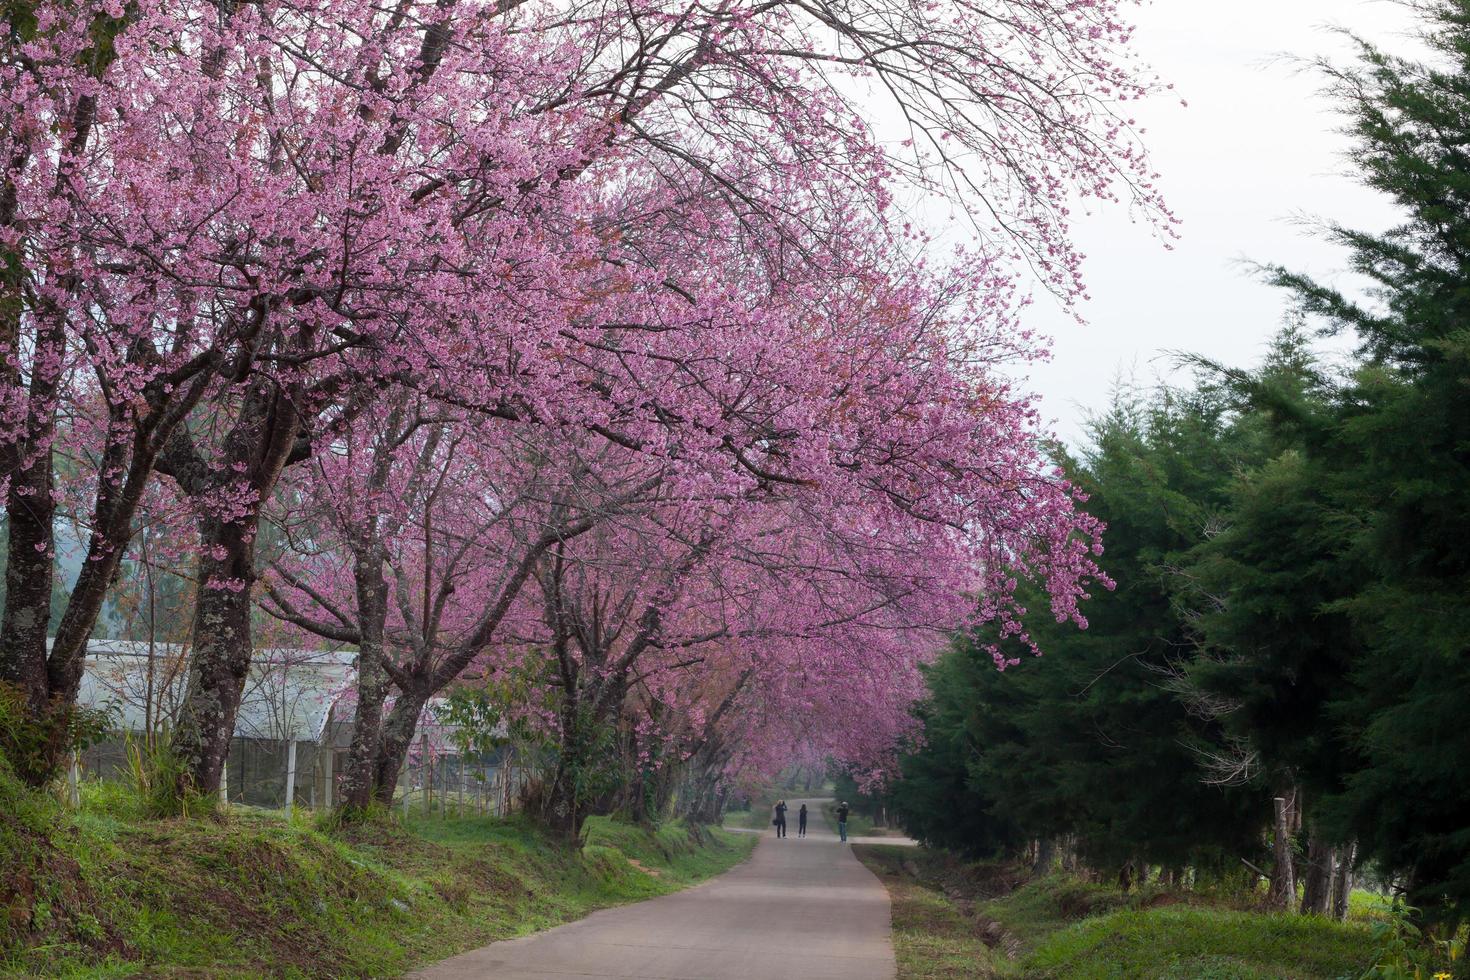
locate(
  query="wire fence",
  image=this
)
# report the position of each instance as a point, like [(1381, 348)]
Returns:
[(275, 774)]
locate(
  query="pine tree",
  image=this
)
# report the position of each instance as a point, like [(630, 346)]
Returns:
[(1090, 742), (1394, 467)]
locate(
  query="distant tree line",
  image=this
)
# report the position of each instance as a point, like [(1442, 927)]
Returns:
[(1280, 681)]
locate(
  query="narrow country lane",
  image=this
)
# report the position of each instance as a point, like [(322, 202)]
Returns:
[(798, 907)]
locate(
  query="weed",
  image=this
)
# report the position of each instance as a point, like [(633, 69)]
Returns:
[(1403, 952)]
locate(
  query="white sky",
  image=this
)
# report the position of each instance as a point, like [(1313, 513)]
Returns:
[(1254, 150)]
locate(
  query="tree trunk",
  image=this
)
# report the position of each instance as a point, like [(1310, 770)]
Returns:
[(49, 681), (564, 803), (1069, 852), (221, 655), (1283, 876), (560, 807), (40, 741), (704, 800), (31, 512), (398, 731), (585, 710), (360, 780), (29, 570), (1342, 880), (1046, 852), (254, 453), (1317, 879), (704, 803), (52, 679), (26, 460), (112, 529), (28, 581)]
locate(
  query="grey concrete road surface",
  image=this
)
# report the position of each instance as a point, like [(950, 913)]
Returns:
[(798, 908)]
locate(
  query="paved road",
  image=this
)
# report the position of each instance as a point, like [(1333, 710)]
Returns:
[(799, 908)]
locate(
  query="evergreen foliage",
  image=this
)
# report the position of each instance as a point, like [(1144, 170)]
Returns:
[(1292, 551), (1395, 464)]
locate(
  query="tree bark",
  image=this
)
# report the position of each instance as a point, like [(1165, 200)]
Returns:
[(31, 513), (28, 583), (703, 804), (1342, 880), (29, 571), (360, 780), (221, 655), (1317, 878), (560, 806), (255, 451), (398, 731), (1046, 852)]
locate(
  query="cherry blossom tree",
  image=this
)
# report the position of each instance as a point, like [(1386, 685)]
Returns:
[(235, 227), (425, 528)]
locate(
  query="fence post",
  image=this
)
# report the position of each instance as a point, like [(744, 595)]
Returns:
[(330, 760), (290, 775), (73, 780), (426, 772), (224, 782)]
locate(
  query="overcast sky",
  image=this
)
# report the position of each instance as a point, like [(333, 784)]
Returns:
[(1254, 150)]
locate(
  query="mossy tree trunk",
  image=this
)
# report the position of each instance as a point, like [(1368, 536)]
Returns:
[(360, 780), (264, 438)]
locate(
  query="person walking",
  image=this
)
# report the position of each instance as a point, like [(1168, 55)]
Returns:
[(801, 821), (842, 811), (780, 820)]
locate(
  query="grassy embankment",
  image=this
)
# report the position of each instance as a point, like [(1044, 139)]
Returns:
[(105, 892), (952, 920)]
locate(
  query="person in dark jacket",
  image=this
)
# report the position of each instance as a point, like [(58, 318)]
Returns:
[(801, 821), (842, 811), (780, 820)]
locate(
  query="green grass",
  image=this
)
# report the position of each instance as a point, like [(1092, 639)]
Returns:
[(1038, 909), (932, 938), (108, 893), (1180, 941), (1065, 928)]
